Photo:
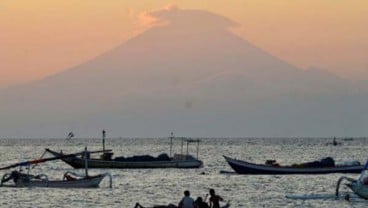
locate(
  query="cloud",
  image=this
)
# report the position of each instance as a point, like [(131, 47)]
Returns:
[(149, 19), (173, 15)]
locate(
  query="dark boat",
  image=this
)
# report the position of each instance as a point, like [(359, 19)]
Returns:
[(244, 167), (178, 161), (142, 161)]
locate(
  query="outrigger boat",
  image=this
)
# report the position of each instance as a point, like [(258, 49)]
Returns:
[(325, 166), (70, 179), (145, 161), (358, 186)]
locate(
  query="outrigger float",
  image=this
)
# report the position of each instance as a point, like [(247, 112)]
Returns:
[(69, 179)]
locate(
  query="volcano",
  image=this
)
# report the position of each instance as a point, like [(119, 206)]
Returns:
[(188, 74)]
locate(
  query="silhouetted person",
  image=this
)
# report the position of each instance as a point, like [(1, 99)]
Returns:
[(200, 203), (214, 199), (187, 201)]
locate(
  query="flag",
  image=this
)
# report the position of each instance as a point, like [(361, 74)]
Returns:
[(70, 135)]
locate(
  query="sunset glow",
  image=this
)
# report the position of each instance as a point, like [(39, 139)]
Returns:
[(43, 37)]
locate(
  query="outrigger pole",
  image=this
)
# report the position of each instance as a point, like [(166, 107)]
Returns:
[(29, 162)]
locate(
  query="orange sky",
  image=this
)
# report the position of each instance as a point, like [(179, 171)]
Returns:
[(42, 37)]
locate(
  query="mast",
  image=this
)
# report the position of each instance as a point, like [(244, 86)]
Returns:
[(86, 161), (103, 140), (182, 144), (187, 147), (171, 138)]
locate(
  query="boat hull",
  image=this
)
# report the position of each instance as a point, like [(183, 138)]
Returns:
[(243, 167), (77, 162), (359, 189), (91, 182)]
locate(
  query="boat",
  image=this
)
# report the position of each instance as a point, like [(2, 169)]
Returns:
[(17, 178), (20, 179), (144, 161), (358, 186), (334, 142), (324, 166)]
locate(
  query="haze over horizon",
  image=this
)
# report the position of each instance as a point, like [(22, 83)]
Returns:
[(188, 73)]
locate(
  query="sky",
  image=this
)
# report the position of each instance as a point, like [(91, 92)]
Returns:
[(39, 38)]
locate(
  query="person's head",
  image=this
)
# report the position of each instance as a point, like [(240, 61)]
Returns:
[(186, 193), (212, 192), (199, 200)]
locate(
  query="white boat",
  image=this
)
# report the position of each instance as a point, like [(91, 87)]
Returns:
[(358, 186), (69, 180), (18, 179)]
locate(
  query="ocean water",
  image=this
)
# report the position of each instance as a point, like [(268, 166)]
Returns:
[(163, 186)]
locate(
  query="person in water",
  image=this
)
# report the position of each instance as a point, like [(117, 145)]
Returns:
[(187, 201), (214, 199), (200, 203)]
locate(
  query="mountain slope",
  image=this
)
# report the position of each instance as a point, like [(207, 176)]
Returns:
[(190, 75)]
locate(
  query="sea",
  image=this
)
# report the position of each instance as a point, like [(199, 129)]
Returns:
[(163, 186)]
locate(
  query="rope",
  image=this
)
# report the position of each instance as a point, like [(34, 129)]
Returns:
[(43, 154)]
